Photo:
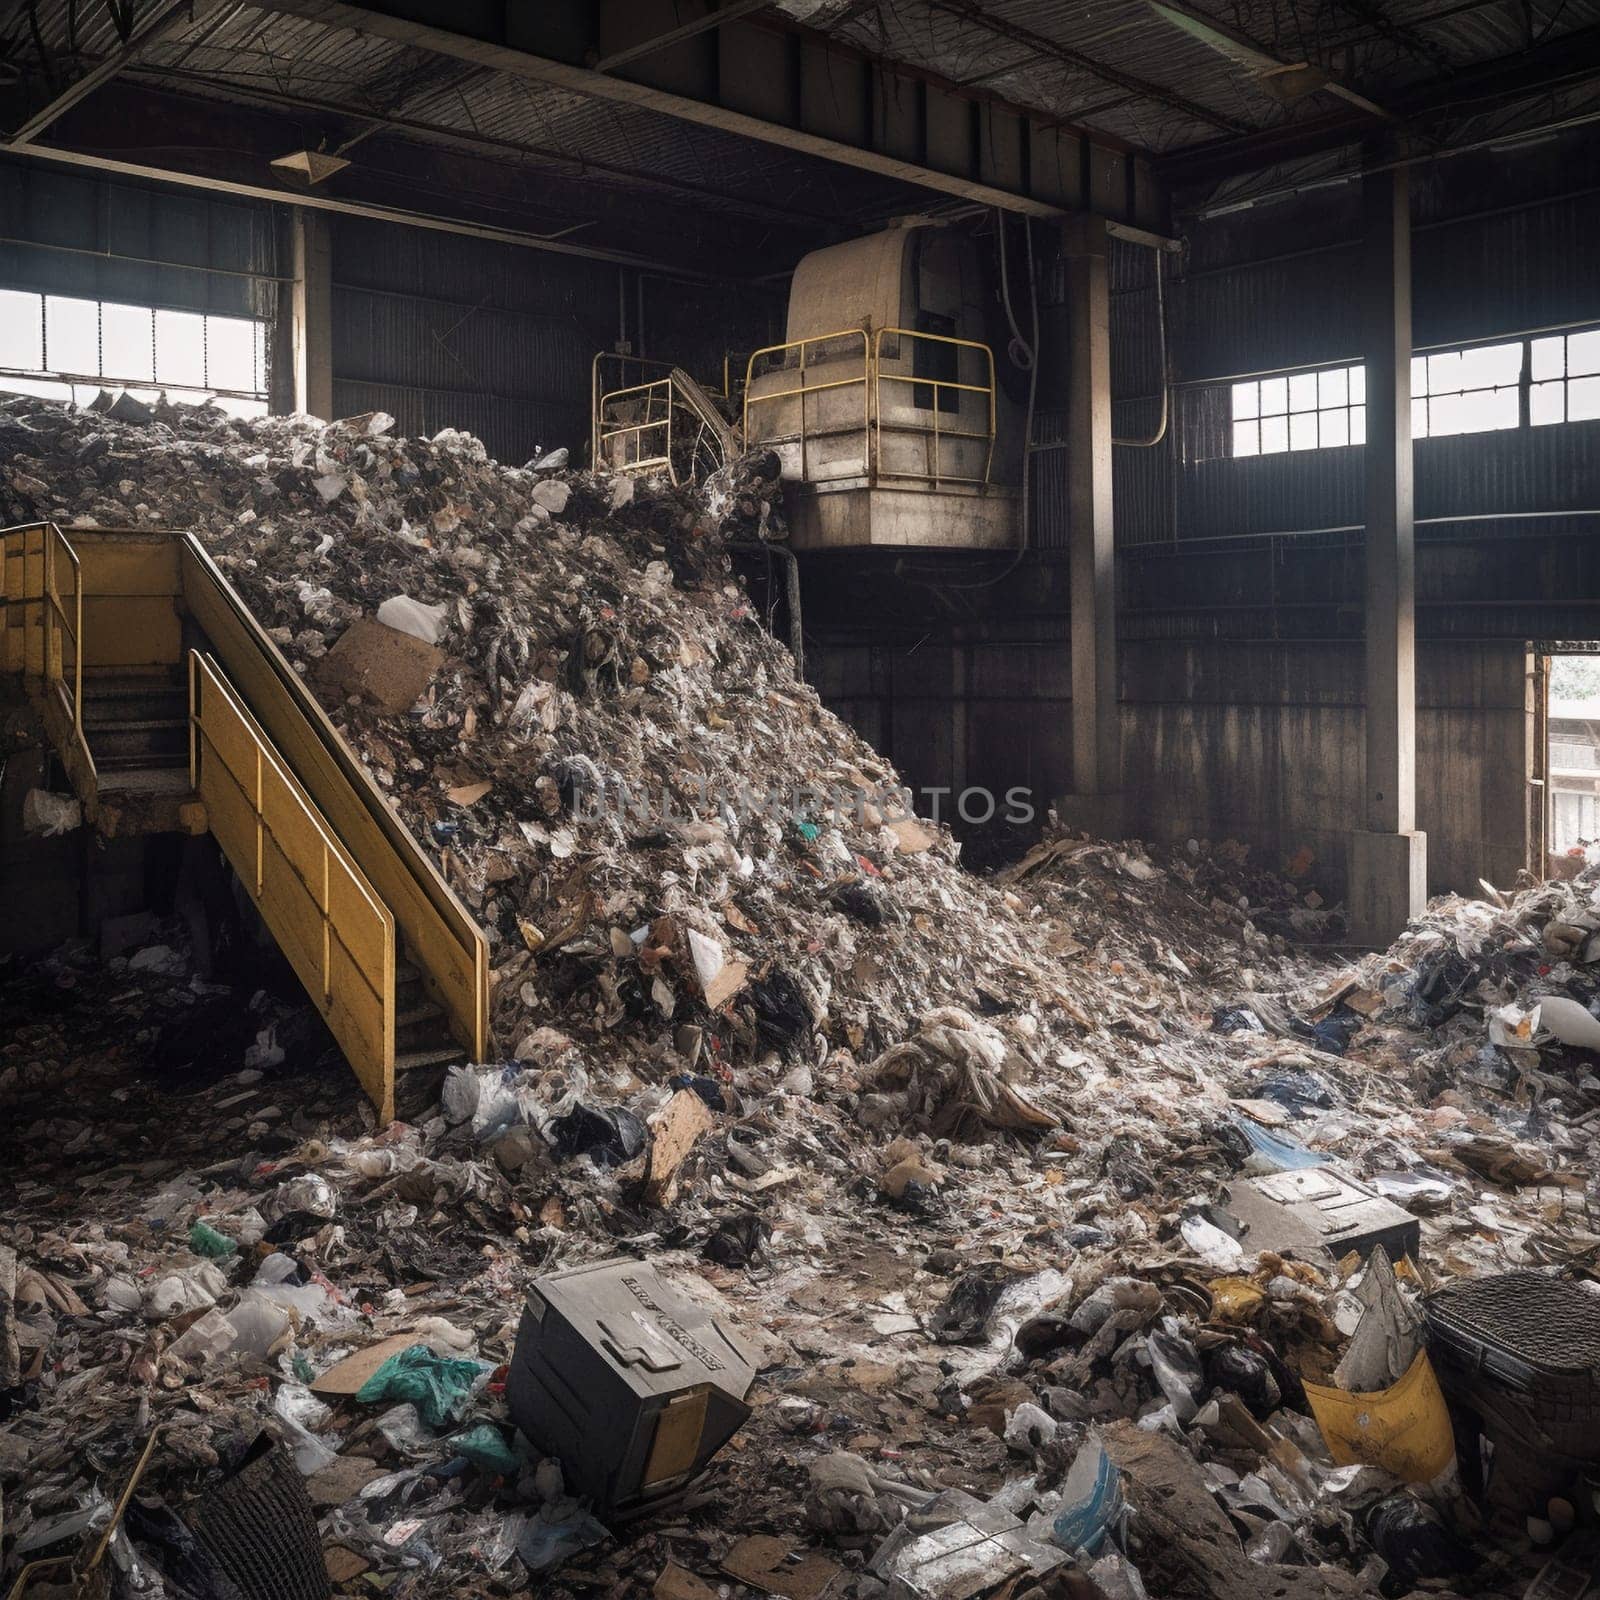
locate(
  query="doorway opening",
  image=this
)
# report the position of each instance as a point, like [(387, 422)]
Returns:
[(1572, 761)]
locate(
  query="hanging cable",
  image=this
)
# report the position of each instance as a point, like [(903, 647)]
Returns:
[(1161, 332), (1024, 355)]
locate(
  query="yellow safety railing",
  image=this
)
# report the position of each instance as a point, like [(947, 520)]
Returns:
[(872, 379), (336, 933), (939, 386), (439, 933), (613, 373), (804, 389), (41, 620), (632, 415), (58, 624)]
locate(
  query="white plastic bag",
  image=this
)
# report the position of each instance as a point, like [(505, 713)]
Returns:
[(45, 814), (412, 616)]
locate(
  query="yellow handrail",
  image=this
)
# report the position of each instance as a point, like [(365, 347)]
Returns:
[(440, 934), (623, 363), (31, 554), (872, 378), (800, 346), (55, 613), (938, 385), (337, 934), (657, 390)]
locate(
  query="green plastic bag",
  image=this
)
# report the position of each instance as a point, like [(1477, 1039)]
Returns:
[(486, 1448), (204, 1240), (438, 1386)]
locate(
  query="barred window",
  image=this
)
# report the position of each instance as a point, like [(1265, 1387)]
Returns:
[(67, 349), (1303, 411), (1466, 391), (1565, 374)]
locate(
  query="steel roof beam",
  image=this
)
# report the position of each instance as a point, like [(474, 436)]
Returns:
[(163, 22), (967, 11), (790, 86)]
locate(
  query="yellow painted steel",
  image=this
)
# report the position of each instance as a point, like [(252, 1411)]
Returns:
[(938, 385), (872, 378), (44, 631), (336, 933), (131, 591), (802, 388), (114, 601), (656, 399), (618, 368), (436, 930)]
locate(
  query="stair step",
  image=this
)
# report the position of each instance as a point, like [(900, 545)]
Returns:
[(418, 1015), (108, 761), (433, 1056), (96, 717), (124, 680), (135, 706), (146, 780), (154, 740)]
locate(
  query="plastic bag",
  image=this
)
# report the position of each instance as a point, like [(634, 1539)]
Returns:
[(195, 1288), (1270, 1152), (1029, 1429), (44, 815), (412, 616), (312, 1194), (557, 1533), (1219, 1250), (1091, 1499), (204, 1240), (1176, 1365), (298, 1410), (258, 1323), (404, 1430), (488, 1449), (439, 1386), (205, 1338)]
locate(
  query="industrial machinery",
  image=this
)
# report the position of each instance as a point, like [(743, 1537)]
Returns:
[(884, 403)]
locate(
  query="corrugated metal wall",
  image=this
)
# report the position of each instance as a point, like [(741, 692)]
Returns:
[(1141, 477), (95, 238), (1497, 251), (444, 331)]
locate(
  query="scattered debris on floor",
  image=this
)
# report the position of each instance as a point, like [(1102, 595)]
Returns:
[(975, 1194)]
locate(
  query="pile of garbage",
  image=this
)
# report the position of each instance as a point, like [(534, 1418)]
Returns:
[(1069, 1233)]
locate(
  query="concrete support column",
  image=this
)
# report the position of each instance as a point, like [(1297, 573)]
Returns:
[(1095, 801), (312, 314), (1388, 857)]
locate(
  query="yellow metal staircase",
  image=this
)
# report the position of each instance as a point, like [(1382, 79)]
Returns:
[(171, 709)]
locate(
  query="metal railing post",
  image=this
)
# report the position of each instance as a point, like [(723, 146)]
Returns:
[(194, 721)]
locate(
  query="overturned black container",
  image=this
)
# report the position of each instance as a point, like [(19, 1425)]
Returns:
[(630, 1382), (1520, 1353)]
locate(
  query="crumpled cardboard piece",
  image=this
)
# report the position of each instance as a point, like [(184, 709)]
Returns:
[(381, 664)]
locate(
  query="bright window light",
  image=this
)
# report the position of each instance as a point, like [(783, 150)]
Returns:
[(63, 348), (21, 330), (71, 335), (1565, 373), (181, 348), (230, 353), (1305, 411), (127, 342), (1466, 391)]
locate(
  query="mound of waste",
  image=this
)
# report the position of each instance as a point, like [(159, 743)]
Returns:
[(1084, 1237)]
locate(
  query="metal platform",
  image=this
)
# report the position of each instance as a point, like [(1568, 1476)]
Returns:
[(857, 516)]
